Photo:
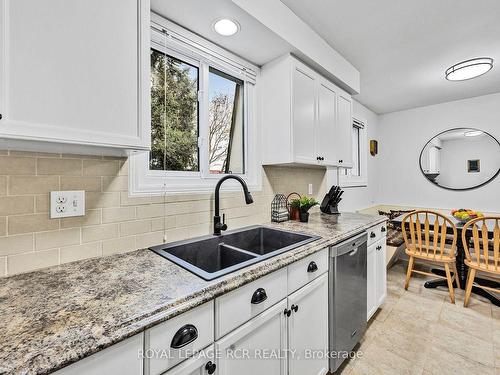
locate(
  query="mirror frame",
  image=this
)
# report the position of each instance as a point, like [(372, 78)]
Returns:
[(449, 188)]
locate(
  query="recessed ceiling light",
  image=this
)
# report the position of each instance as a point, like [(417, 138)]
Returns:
[(473, 133), (226, 27), (469, 69)]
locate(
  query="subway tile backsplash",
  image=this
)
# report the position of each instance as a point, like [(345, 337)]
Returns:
[(114, 222)]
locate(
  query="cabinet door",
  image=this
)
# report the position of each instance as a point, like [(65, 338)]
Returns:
[(308, 328), (381, 271), (303, 115), (325, 128), (344, 131), (248, 349), (122, 358), (371, 281), (202, 363), (76, 71)]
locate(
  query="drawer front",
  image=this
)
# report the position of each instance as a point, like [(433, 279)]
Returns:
[(239, 306), (376, 233), (200, 364), (306, 270), (169, 343)]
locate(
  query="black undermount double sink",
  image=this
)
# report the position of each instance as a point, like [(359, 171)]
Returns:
[(212, 256)]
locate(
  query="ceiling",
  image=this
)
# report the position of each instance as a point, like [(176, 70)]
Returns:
[(402, 48), (254, 42)]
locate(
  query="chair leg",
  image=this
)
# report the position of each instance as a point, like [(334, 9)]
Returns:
[(455, 273), (468, 288), (450, 282), (408, 272)]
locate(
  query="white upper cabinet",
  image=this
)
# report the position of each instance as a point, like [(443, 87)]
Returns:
[(326, 125), (306, 118), (304, 114), (344, 131), (75, 72)]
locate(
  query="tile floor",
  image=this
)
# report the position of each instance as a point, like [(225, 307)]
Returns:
[(419, 331)]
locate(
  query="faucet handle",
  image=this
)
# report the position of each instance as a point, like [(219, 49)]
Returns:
[(224, 225)]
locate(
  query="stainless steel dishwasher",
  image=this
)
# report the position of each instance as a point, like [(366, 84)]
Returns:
[(347, 297)]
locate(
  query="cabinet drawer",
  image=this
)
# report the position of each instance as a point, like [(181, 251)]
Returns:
[(172, 341), (376, 232), (239, 306), (198, 365), (306, 270), (121, 358)]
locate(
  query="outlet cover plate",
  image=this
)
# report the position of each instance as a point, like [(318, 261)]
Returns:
[(67, 203)]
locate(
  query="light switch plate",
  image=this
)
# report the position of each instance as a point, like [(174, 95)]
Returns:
[(67, 203)]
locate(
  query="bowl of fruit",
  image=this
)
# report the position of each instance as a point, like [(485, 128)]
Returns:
[(463, 215)]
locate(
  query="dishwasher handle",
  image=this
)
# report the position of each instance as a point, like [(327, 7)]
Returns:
[(349, 246)]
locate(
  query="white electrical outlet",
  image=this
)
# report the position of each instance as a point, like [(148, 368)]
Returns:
[(310, 189), (67, 203)]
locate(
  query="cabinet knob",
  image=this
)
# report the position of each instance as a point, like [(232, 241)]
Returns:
[(287, 312), (373, 235), (185, 335), (294, 308), (312, 267), (210, 367), (341, 161), (383, 229), (379, 248), (259, 296), (317, 157), (1, 116), (321, 158)]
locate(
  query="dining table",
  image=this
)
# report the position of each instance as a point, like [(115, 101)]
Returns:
[(462, 268)]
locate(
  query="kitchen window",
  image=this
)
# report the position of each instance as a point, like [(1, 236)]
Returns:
[(202, 116), (357, 175)]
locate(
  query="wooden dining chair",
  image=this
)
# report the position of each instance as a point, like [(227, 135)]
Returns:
[(426, 239), (483, 252)]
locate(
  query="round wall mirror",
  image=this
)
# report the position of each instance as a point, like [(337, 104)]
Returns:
[(461, 159)]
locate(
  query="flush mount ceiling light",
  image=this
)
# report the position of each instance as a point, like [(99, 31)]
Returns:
[(469, 69), (473, 133), (226, 27)]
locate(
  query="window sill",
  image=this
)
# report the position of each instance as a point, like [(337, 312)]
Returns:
[(143, 182)]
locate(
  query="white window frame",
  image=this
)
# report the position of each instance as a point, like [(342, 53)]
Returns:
[(362, 179), (180, 43)]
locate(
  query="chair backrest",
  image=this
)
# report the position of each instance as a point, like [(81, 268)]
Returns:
[(425, 234), (485, 248)]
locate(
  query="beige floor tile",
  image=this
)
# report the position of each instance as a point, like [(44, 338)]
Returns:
[(464, 344), (406, 323), (442, 362), (379, 360), (476, 323), (425, 307)]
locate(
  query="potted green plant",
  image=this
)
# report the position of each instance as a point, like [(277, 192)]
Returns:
[(304, 204)]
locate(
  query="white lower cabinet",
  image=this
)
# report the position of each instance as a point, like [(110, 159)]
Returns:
[(376, 276), (371, 281), (123, 358), (171, 342), (308, 328), (381, 284), (201, 364), (257, 347)]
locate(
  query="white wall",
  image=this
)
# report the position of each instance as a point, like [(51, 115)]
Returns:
[(454, 156), (402, 135), (356, 198)]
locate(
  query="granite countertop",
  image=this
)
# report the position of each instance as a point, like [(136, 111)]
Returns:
[(56, 316)]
